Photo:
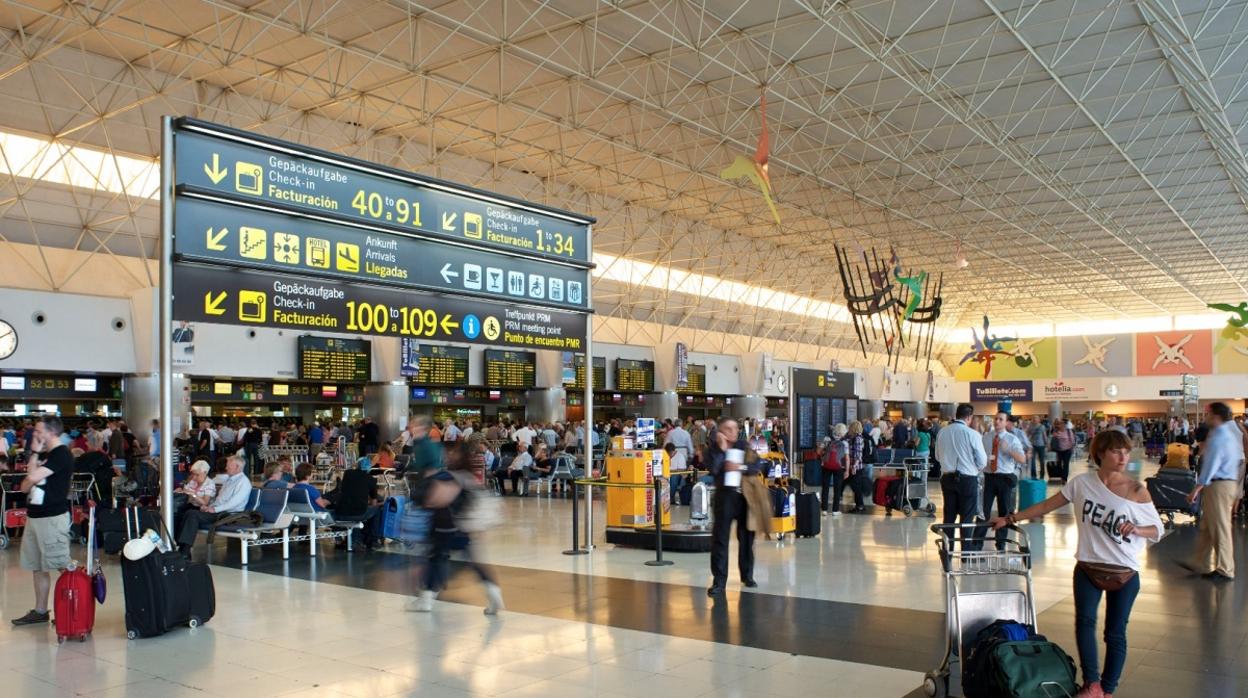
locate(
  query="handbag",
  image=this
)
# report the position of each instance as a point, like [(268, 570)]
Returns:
[(1106, 577)]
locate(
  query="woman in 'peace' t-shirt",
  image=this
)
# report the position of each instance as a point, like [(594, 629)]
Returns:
[(1114, 516)]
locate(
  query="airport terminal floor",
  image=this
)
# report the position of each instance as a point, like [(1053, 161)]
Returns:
[(858, 611)]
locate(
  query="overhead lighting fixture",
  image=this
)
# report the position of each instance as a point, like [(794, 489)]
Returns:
[(959, 258)]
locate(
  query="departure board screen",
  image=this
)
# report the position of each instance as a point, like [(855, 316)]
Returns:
[(600, 374), (334, 359), (510, 369), (696, 376), (823, 417), (806, 422), (634, 376), (432, 364)]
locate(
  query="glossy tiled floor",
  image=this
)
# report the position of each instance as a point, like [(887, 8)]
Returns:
[(856, 612)]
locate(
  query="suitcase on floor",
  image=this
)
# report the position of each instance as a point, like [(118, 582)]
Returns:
[(1053, 470), (1031, 492), (158, 593), (1169, 489), (73, 605), (391, 515), (812, 473), (779, 500), (888, 489), (73, 599), (700, 504), (203, 593), (809, 518)]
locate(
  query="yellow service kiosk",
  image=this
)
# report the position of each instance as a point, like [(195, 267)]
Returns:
[(631, 512), (635, 507)]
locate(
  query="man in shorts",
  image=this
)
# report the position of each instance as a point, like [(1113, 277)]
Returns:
[(45, 542)]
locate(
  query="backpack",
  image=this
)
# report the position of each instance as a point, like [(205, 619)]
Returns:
[(868, 449), (1010, 660), (832, 461)]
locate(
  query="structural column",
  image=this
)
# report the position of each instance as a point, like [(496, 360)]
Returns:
[(386, 404), (546, 405), (664, 405), (914, 410), (1055, 409), (948, 411), (749, 407), (870, 410), (140, 403)]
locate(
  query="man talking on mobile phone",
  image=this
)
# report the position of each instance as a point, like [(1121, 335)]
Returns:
[(45, 542), (725, 458)]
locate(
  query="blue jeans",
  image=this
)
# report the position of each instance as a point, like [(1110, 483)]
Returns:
[(1117, 610)]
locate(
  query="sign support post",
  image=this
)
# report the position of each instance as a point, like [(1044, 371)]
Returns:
[(589, 403), (166, 322)]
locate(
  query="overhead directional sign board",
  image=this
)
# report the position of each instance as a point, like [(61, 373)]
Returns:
[(273, 234), (262, 299), (222, 231), (232, 162)]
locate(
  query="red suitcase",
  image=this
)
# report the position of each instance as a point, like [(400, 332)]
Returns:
[(74, 598), (74, 605), (15, 518), (881, 491)]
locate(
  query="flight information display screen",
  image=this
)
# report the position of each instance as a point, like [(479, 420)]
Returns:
[(634, 376), (600, 374), (334, 359), (432, 364), (696, 376), (510, 369)]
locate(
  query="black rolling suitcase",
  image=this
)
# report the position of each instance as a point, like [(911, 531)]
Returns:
[(1169, 489), (809, 518), (164, 591)]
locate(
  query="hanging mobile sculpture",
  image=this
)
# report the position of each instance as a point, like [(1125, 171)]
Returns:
[(887, 306)]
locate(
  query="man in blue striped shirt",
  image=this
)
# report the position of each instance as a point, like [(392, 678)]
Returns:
[(960, 451), (1219, 483)]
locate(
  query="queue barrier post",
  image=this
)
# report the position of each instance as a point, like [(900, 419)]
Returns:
[(576, 525), (658, 560)]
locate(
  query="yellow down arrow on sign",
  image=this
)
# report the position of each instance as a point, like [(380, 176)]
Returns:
[(212, 306), (216, 173)]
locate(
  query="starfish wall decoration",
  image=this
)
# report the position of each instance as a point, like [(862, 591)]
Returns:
[(1172, 353), (1095, 354), (984, 351)]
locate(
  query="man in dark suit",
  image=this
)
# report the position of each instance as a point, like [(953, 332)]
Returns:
[(729, 505)]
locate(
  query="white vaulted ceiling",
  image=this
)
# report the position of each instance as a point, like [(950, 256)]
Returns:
[(1087, 155)]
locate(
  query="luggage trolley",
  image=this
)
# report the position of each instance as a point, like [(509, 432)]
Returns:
[(11, 517), (914, 470), (981, 586), (81, 496)]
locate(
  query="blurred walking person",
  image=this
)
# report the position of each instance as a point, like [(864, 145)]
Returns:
[(458, 506)]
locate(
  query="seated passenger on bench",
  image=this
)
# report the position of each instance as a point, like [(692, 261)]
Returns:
[(274, 477), (231, 498), (303, 473)]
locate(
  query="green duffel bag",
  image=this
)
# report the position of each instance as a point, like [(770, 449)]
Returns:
[(1031, 669)]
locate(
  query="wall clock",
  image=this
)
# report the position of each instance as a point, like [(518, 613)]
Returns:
[(8, 340)]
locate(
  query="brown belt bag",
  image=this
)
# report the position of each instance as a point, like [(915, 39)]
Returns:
[(1106, 577)]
